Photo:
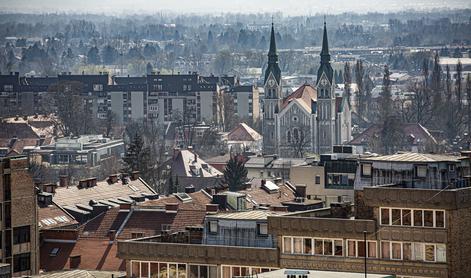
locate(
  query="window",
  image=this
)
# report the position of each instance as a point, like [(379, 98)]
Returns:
[(54, 252), (298, 245), (366, 170), (213, 227), (372, 253), (412, 217), (421, 171), (338, 248), (262, 229), (21, 262), (440, 219), (8, 88), (328, 247), (385, 216), (407, 251), (396, 249), (308, 246), (428, 218), (356, 248), (287, 245), (318, 179), (97, 87), (318, 247), (429, 252), (406, 217), (441, 253), (385, 250), (137, 235), (21, 235)]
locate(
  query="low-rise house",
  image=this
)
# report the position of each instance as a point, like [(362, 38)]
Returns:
[(414, 138), (186, 168), (243, 138)]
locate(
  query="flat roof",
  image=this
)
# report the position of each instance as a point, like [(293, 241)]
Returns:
[(414, 157), (282, 273)]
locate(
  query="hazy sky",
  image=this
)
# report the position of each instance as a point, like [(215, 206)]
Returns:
[(291, 7)]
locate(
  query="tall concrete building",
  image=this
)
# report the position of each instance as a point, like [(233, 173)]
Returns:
[(19, 226)]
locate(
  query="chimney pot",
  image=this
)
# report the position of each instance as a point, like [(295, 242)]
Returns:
[(212, 207)]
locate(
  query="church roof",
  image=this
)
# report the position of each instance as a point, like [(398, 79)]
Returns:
[(243, 132), (306, 94)]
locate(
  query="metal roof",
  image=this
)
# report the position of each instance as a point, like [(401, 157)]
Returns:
[(414, 157)]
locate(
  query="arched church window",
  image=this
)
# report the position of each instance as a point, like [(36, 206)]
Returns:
[(288, 136), (296, 135)]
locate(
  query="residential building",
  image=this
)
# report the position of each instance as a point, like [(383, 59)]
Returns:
[(311, 119), (331, 179), (413, 138), (246, 103), (19, 229), (186, 169), (243, 138), (409, 232), (21, 135), (413, 170), (271, 167)]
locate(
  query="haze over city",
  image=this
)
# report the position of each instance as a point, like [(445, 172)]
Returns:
[(288, 7)]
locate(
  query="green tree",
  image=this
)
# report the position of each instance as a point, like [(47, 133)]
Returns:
[(137, 157), (93, 56), (235, 173), (385, 101)]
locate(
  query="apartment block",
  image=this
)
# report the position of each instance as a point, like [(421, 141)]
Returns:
[(18, 212)]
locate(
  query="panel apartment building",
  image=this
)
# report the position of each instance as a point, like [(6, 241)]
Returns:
[(155, 96), (18, 217)]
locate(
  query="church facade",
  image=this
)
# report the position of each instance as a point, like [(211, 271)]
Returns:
[(311, 119)]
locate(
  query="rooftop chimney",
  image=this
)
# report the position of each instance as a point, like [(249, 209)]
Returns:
[(190, 189), (113, 178), (171, 207), (212, 207), (63, 181), (135, 175)]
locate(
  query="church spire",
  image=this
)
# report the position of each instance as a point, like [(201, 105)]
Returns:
[(325, 67), (273, 66), (325, 56)]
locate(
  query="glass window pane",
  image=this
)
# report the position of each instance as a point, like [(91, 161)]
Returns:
[(298, 245), (361, 248), (396, 250), (328, 247), (418, 218), (429, 252), (418, 252), (163, 270), (144, 269), (287, 245), (182, 271), (407, 251), (384, 216), (406, 217), (135, 269), (351, 248), (428, 218), (244, 271), (154, 270), (338, 247), (385, 251), (226, 272), (213, 272), (193, 271), (235, 271), (172, 271), (439, 219), (396, 217), (441, 253), (204, 271), (372, 249), (307, 246), (318, 247)]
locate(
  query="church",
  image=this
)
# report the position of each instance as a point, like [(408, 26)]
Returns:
[(312, 119)]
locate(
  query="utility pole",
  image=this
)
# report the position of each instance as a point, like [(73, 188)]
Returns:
[(364, 239)]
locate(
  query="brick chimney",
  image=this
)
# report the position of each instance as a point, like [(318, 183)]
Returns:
[(171, 207), (279, 208), (212, 208), (113, 178), (63, 181), (135, 175)]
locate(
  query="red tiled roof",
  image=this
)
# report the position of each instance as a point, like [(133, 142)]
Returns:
[(306, 93), (243, 132), (20, 130), (95, 254), (419, 133), (60, 218), (100, 226), (199, 200), (260, 196)]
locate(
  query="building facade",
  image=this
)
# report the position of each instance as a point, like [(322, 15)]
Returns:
[(19, 226), (310, 120)]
